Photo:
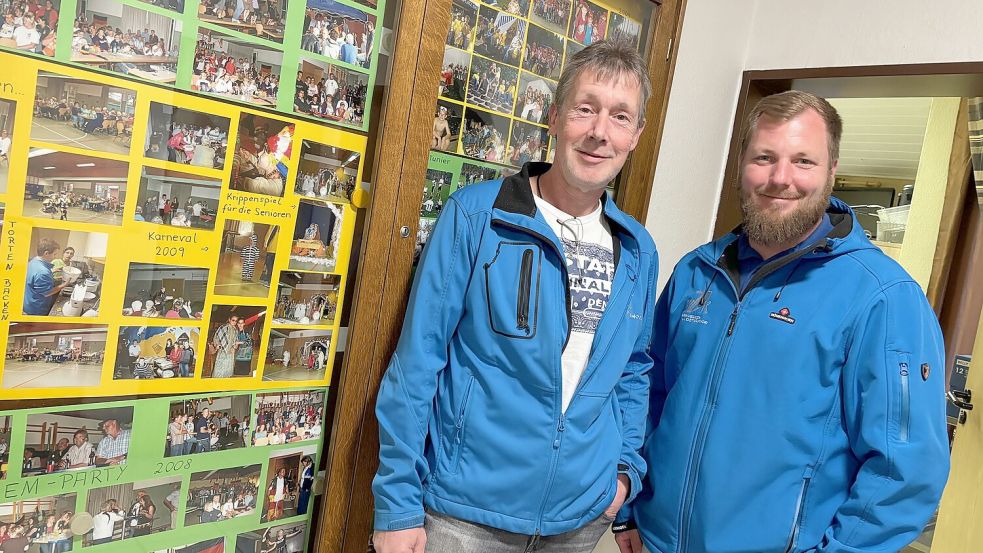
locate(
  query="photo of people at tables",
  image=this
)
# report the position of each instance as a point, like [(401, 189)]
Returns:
[(41, 525), (64, 272), (7, 110), (125, 39), (215, 423), (222, 494), (74, 187), (260, 18), (236, 69), (288, 417), (286, 538), (44, 355), (327, 172), (263, 149), (306, 299), (287, 471), (330, 92), (234, 333), (177, 199), (186, 136), (338, 32), (295, 354), (85, 114), (75, 439), (165, 291), (316, 234), (173, 5), (148, 352), (132, 510), (4, 445), (29, 25), (245, 264)]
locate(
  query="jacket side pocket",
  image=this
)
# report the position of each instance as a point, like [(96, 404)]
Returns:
[(793, 534), (459, 427)]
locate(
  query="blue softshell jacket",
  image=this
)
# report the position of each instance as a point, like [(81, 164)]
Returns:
[(805, 414), (469, 410)]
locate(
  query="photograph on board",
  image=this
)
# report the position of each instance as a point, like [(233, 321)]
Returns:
[(625, 29), (570, 49), (552, 14), (446, 126), (29, 26), (147, 49), (85, 114), (543, 54), (74, 187), (528, 143), (236, 69), (46, 355), (173, 5), (306, 299), (76, 438), (164, 291), (339, 32), (295, 355), (7, 110), (436, 189), (492, 85), (484, 135), (316, 237), (64, 272), (245, 264), (471, 173), (288, 417), (213, 423), (4, 444), (222, 494), (499, 36), (265, 20), (213, 545), (3, 212), (464, 13), (330, 92), (131, 510), (147, 352), (516, 7), (177, 199), (535, 98), (284, 497), (325, 172), (263, 149), (234, 333), (39, 525), (588, 23), (422, 235), (186, 136), (454, 74), (285, 538)]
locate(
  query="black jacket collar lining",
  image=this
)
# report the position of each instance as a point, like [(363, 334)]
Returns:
[(515, 195)]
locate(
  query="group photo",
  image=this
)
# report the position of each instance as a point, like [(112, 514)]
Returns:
[(288, 417), (306, 299), (437, 187), (73, 187), (291, 477), (499, 36), (205, 424), (236, 69), (552, 14), (454, 74), (263, 148), (330, 92), (492, 85), (484, 135), (45, 355), (65, 272), (297, 355), (234, 333), (528, 143), (70, 111), (41, 525), (263, 19), (325, 172), (245, 264), (75, 439), (463, 16), (159, 291), (148, 352), (589, 22), (177, 199), (186, 136), (127, 40), (222, 494), (535, 98), (317, 237), (339, 32), (132, 510), (543, 53)]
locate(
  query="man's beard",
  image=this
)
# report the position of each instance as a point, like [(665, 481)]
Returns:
[(768, 227)]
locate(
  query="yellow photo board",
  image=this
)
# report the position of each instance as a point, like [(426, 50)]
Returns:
[(163, 242)]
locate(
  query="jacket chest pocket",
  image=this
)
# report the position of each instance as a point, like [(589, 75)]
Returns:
[(512, 289)]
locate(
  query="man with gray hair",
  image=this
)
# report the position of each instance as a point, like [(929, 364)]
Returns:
[(797, 398), (513, 409)]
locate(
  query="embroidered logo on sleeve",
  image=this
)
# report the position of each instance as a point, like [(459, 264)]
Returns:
[(783, 315), (926, 370)]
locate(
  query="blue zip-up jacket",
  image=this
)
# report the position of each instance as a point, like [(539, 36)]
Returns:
[(470, 417), (805, 414)]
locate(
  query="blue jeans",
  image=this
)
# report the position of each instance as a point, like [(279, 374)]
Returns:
[(239, 8), (450, 535), (188, 444), (184, 369), (177, 449)]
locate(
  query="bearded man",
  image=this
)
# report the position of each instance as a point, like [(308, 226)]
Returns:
[(797, 390)]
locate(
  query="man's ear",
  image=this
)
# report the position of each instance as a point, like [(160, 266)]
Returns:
[(551, 120), (638, 134)]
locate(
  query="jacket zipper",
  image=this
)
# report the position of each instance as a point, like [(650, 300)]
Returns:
[(557, 440), (793, 536), (522, 301), (459, 426), (905, 401)]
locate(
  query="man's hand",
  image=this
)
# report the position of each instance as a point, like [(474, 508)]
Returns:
[(629, 541), (619, 497), (411, 540)]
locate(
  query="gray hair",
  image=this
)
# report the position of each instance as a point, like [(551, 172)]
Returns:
[(608, 59)]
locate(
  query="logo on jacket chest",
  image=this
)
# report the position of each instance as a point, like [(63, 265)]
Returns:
[(696, 307), (783, 315)]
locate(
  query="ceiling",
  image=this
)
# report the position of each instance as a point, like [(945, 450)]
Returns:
[(882, 137), (65, 166)]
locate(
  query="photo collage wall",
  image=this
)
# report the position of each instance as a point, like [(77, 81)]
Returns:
[(163, 242), (502, 60), (222, 472), (311, 58)]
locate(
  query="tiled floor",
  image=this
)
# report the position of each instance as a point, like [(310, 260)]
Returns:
[(38, 374)]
